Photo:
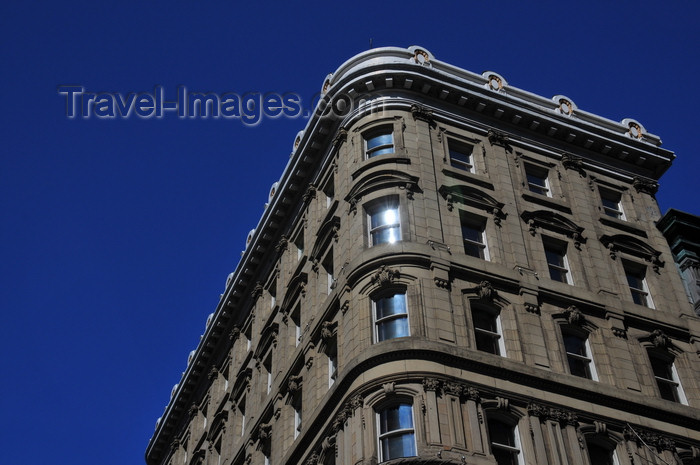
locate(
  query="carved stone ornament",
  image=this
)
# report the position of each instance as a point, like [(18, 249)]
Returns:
[(340, 137), (385, 275), (502, 403), (500, 139), (282, 244), (646, 186), (312, 460), (257, 291), (431, 384), (532, 308), (441, 282), (450, 202), (422, 114), (389, 388), (498, 216), (234, 334), (213, 373), (175, 444), (471, 393), (537, 410), (294, 384), (310, 194), (328, 330), (574, 316), (345, 306), (264, 431), (454, 389), (620, 332), (486, 291), (193, 411), (356, 402), (572, 162), (600, 427), (660, 340), (352, 205)]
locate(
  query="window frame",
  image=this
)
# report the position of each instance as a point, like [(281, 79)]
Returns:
[(497, 336), (382, 148), (537, 172), (455, 146), (638, 271), (378, 207), (673, 382), (517, 446), (590, 368), (402, 431), (560, 248), (476, 224), (614, 208), (378, 322)]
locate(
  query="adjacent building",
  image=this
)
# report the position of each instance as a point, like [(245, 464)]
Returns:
[(450, 270)]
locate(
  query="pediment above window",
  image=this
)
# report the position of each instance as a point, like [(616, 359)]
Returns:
[(468, 195), (382, 179), (553, 222), (632, 246), (296, 287), (326, 233), (268, 338), (242, 383)]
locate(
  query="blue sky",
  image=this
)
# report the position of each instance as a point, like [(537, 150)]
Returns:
[(117, 234)]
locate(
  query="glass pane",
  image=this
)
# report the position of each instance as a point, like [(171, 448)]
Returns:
[(382, 139), (506, 457), (393, 305), (385, 235), (661, 368), (600, 455), (390, 329), (635, 281), (578, 367), (575, 345), (387, 216), (667, 390), (484, 320), (554, 257), (487, 343), (501, 433), (398, 446), (396, 417)]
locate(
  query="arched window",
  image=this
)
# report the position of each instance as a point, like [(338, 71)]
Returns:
[(601, 455), (395, 431), (505, 442)]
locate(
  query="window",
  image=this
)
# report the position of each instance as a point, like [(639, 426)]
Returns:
[(329, 192), (600, 455), (384, 223), (267, 364), (296, 320), (578, 355), (296, 405), (537, 180), (273, 293), (667, 378), (461, 155), (332, 352), (390, 317), (557, 261), (487, 331), (473, 236), (379, 143), (241, 413), (328, 267), (636, 280), (612, 204), (299, 243), (248, 338), (505, 442), (396, 436)]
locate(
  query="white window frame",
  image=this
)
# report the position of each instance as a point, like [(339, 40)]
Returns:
[(540, 172), (517, 448), (613, 197), (560, 248), (377, 322), (397, 432), (588, 358), (498, 335), (638, 272), (332, 367), (459, 164), (297, 419), (479, 225)]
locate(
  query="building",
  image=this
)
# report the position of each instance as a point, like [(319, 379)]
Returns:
[(450, 270), (682, 230)]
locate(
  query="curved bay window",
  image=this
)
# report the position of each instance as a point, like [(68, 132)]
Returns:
[(395, 432), (390, 317), (384, 223), (379, 142), (505, 442)]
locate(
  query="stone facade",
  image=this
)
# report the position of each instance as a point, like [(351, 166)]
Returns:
[(451, 271)]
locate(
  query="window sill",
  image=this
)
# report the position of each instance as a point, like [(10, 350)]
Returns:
[(468, 177), (380, 160), (622, 225), (546, 201)]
